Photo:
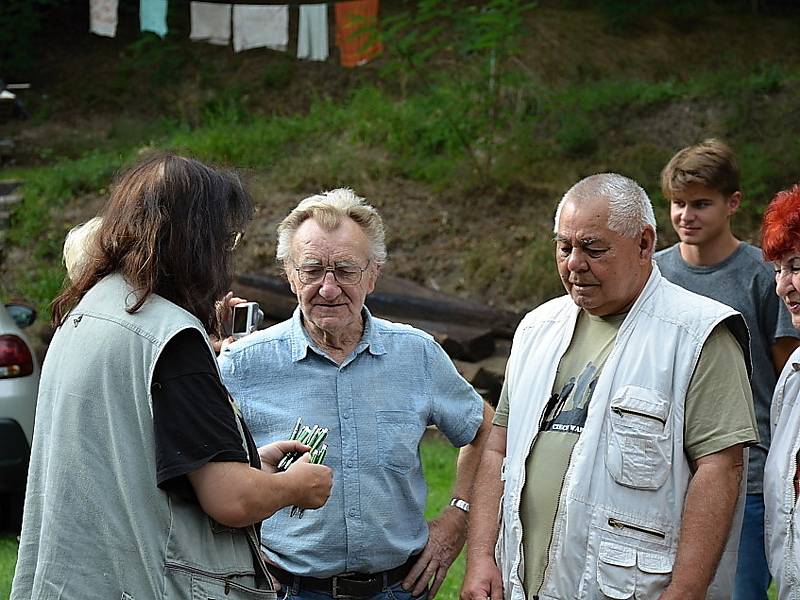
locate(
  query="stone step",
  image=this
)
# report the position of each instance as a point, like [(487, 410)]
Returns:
[(9, 200), (9, 185), (6, 147)]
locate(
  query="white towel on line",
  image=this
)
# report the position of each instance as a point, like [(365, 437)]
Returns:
[(260, 27), (211, 22), (312, 35), (103, 17)]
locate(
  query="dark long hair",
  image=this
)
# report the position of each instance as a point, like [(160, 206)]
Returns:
[(166, 228)]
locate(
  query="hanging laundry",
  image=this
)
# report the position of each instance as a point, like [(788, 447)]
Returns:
[(312, 35), (103, 17), (260, 27), (357, 32), (211, 22), (153, 16)]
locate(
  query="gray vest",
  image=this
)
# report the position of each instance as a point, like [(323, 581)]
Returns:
[(96, 526)]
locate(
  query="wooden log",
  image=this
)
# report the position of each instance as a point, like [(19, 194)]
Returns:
[(433, 306), (486, 376), (459, 341), (276, 304)]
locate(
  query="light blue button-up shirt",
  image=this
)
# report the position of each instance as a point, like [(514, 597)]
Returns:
[(376, 406)]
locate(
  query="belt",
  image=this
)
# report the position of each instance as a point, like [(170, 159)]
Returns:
[(354, 585)]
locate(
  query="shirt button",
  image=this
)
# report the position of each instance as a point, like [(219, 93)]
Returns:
[(351, 463), (346, 415), (352, 512)]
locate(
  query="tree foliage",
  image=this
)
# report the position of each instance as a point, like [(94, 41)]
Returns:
[(487, 35)]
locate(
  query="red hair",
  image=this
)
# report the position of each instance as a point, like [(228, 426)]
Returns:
[(780, 232)]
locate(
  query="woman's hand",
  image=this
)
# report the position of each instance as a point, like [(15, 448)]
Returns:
[(224, 309), (271, 454)]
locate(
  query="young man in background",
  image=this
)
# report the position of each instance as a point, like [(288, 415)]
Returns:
[(701, 183)]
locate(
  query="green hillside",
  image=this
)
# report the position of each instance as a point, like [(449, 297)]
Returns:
[(464, 133)]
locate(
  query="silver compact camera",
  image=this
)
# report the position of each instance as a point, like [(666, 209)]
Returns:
[(246, 319)]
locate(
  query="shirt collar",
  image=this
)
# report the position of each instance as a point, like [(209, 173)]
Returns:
[(371, 339)]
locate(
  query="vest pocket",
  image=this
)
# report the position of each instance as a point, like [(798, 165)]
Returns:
[(627, 572), (639, 451), (190, 582)]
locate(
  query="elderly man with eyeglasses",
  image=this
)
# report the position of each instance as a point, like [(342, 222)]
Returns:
[(376, 386)]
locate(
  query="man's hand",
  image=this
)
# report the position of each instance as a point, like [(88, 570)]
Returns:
[(446, 537), (482, 580)]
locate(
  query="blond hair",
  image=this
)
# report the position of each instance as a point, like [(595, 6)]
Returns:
[(77, 246)]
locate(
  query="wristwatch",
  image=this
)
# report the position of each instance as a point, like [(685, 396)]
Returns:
[(459, 503)]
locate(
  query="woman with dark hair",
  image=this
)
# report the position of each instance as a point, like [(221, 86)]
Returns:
[(780, 241), (144, 480)]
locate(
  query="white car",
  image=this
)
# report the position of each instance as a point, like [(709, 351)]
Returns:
[(19, 384)]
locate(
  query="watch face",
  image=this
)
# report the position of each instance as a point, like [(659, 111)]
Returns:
[(459, 503)]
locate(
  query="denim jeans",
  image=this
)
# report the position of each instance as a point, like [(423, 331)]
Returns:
[(394, 592), (752, 573)]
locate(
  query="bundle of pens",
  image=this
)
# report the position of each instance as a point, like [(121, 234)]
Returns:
[(310, 436)]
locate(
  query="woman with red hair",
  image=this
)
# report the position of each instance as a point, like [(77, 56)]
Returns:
[(780, 241)]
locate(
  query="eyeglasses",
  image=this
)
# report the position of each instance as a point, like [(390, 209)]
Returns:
[(233, 240), (344, 275), (791, 268)]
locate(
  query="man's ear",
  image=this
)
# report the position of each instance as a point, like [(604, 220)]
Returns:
[(373, 278), (647, 242), (734, 202)]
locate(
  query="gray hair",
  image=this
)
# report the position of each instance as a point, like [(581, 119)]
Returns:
[(77, 246), (328, 210), (629, 207)]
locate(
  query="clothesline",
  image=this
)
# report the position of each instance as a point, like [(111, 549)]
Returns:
[(251, 25)]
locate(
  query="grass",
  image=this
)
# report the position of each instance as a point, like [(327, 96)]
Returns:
[(439, 460), (8, 558)]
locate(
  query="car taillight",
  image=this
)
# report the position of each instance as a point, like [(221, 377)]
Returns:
[(15, 357)]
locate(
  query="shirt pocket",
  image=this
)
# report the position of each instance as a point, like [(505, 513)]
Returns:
[(399, 433), (639, 452)]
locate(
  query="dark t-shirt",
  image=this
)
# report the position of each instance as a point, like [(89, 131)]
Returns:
[(193, 418)]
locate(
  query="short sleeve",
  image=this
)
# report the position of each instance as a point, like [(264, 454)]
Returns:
[(719, 403), (193, 419), (501, 412), (457, 407)]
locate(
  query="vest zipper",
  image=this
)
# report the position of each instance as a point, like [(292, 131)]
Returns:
[(520, 553), (553, 526), (627, 411), (617, 524), (226, 579)]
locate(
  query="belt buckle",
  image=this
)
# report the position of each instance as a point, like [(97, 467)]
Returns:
[(344, 576), (335, 588)]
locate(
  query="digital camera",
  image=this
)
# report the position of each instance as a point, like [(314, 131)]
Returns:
[(246, 318)]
